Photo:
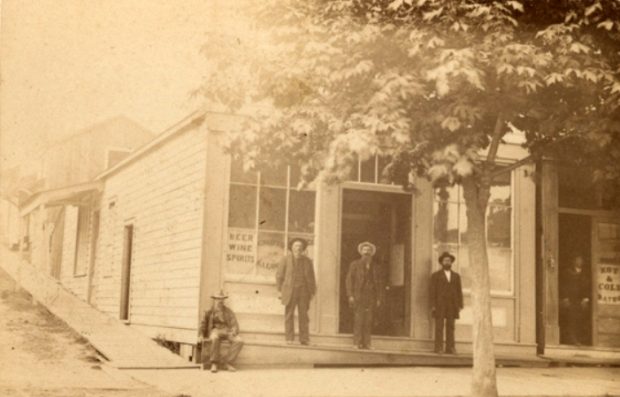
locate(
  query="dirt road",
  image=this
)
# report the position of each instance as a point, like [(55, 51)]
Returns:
[(40, 356)]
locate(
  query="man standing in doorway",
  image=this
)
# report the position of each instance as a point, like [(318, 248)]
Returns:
[(297, 286), (364, 289), (575, 293), (446, 299), (218, 324)]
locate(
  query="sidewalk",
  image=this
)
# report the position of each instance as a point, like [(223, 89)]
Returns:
[(388, 382), (123, 346)]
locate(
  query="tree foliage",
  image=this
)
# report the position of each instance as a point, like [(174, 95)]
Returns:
[(429, 82)]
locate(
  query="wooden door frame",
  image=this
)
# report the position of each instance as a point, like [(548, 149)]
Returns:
[(382, 189), (128, 234)]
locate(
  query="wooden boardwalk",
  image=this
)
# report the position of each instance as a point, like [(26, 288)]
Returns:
[(123, 346)]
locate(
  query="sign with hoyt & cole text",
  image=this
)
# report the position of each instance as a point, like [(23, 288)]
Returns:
[(608, 284)]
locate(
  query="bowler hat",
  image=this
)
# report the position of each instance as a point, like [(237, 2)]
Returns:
[(303, 242), (446, 254), (373, 248), (220, 295)]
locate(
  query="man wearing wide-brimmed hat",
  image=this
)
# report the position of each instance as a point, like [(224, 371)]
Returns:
[(297, 285), (364, 285), (446, 300), (219, 323)]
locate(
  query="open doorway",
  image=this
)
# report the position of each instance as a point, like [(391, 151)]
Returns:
[(575, 286), (385, 220)]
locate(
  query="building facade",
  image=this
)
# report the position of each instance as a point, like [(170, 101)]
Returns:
[(179, 220)]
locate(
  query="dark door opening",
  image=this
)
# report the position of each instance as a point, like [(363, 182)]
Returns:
[(385, 220), (575, 240), (126, 271)]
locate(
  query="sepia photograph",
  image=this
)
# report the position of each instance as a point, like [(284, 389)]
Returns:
[(309, 198)]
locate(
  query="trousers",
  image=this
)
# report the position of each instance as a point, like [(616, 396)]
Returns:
[(439, 327), (216, 337), (300, 299), (362, 324)]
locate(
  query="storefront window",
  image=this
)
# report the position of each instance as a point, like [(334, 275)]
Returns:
[(265, 212), (450, 231), (370, 170)]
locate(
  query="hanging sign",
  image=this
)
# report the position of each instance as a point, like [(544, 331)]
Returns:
[(608, 284)]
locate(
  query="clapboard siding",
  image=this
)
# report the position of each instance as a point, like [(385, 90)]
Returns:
[(72, 280), (162, 195)]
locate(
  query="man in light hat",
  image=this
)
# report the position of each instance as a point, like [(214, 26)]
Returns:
[(364, 286), (296, 284), (446, 300), (219, 323)]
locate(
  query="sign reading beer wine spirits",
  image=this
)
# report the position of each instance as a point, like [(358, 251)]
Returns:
[(240, 251), (608, 284)]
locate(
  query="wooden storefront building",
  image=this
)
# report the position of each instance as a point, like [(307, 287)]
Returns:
[(178, 220)]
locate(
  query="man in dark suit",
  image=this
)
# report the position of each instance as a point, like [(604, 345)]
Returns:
[(575, 303), (365, 291), (297, 286), (446, 300), (219, 323)]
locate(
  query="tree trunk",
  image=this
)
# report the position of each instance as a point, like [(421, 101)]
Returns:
[(476, 196)]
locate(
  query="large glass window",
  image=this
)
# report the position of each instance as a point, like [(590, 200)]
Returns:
[(265, 212), (450, 232)]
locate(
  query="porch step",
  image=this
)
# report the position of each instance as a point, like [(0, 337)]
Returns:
[(325, 355)]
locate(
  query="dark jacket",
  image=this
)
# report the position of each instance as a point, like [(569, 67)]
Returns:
[(284, 276), (574, 286), (446, 297), (229, 318), (355, 280)]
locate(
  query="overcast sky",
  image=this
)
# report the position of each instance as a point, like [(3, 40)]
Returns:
[(67, 64)]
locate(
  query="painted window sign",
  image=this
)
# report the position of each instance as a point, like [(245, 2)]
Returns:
[(240, 251), (608, 284)]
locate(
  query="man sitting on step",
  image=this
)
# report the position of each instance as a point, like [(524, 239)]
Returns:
[(219, 323)]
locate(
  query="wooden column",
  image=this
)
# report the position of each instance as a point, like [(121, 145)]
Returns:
[(549, 254), (422, 235), (328, 257), (525, 255)]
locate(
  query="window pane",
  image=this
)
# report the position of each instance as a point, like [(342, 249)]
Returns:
[(368, 170), (272, 208), (238, 175), (274, 176), (500, 268), (270, 252), (383, 177), (445, 222), (498, 226), (242, 208), (500, 190), (301, 211)]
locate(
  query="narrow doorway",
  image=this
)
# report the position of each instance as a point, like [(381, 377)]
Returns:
[(126, 271), (384, 219), (575, 286)]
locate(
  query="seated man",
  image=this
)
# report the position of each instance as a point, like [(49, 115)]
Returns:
[(219, 323)]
